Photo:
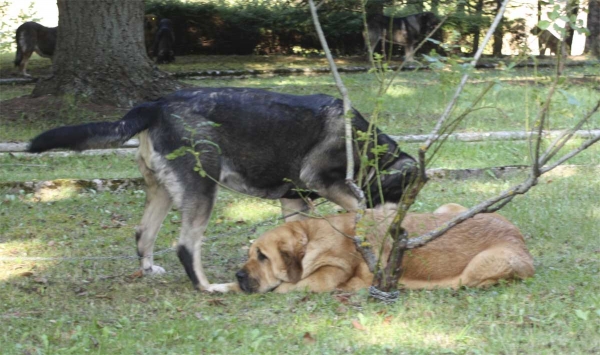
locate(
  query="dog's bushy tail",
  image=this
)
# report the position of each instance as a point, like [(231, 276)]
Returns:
[(97, 135), (19, 55)]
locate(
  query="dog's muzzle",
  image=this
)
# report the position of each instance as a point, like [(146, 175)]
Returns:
[(244, 281)]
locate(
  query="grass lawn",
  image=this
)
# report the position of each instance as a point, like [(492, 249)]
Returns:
[(411, 106), (454, 155), (76, 306), (98, 305)]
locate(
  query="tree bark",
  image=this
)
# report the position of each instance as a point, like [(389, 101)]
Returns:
[(498, 34), (100, 55), (572, 10), (375, 7), (592, 42), (540, 5), (477, 29), (435, 5)]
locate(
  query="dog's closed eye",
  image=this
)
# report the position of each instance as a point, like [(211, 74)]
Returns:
[(261, 256)]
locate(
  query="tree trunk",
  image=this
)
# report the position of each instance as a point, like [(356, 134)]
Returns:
[(477, 29), (375, 7), (572, 10), (539, 19), (498, 34), (592, 42), (100, 55), (419, 6), (435, 5)]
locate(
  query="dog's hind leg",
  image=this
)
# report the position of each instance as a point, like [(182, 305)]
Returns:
[(340, 194), (24, 60), (409, 53), (25, 48), (196, 210), (295, 209), (158, 204), (503, 262), (375, 35)]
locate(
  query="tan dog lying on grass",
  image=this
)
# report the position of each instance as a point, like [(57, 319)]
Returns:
[(315, 255)]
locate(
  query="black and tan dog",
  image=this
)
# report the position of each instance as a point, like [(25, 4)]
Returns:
[(547, 40), (33, 37), (317, 255), (406, 31), (150, 28), (261, 143), (164, 42)]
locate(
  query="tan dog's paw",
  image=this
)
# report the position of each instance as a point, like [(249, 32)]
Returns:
[(285, 287), (223, 288)]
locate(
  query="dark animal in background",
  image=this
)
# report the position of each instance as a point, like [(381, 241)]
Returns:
[(33, 37), (406, 31), (150, 28), (164, 42), (547, 40), (261, 143)]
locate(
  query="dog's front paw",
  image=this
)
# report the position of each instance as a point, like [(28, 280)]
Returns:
[(154, 270), (223, 288), (285, 287)]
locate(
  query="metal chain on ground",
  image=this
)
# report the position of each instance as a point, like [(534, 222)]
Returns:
[(385, 297)]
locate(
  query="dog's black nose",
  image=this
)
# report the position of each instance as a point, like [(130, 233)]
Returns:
[(241, 275)]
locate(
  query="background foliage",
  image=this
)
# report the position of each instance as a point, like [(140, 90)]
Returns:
[(285, 26)]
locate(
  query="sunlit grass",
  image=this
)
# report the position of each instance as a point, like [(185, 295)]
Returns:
[(95, 305), (411, 106), (249, 210), (77, 305), (454, 155)]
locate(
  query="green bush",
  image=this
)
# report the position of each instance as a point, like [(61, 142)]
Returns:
[(8, 25), (256, 27)]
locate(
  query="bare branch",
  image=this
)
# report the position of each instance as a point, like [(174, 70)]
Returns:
[(483, 206), (365, 250), (497, 202), (401, 66), (463, 80), (345, 97), (498, 206), (540, 120), (563, 138), (452, 125), (571, 154)]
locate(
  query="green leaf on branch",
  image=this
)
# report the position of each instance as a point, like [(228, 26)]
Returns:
[(553, 15), (571, 100), (179, 152), (543, 25)]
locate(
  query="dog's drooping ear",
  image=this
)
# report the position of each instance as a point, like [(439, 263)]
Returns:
[(292, 253), (293, 265)]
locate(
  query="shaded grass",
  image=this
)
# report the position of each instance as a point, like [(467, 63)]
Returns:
[(35, 167), (75, 306), (11, 91), (36, 66), (23, 118), (42, 66), (415, 102), (411, 106), (454, 155)]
